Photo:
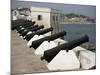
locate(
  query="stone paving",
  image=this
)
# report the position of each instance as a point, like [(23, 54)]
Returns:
[(23, 59)]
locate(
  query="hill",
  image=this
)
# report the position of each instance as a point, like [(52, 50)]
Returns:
[(75, 18)]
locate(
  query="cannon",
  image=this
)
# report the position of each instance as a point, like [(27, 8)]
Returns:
[(36, 43), (40, 32), (20, 22), (18, 27), (32, 30), (16, 23), (31, 27), (51, 53), (27, 25)]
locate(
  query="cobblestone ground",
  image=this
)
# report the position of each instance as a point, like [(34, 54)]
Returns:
[(23, 59)]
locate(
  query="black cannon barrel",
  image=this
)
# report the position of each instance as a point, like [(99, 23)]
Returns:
[(16, 23), (25, 31), (51, 53), (36, 43), (37, 28), (19, 28), (28, 25), (31, 27), (40, 32), (23, 23), (34, 29), (27, 22)]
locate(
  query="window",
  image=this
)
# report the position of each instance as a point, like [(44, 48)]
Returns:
[(53, 18), (56, 18), (39, 17)]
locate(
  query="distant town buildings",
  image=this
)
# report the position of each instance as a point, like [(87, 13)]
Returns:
[(76, 19)]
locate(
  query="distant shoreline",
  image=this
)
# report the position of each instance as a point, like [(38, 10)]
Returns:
[(73, 18), (77, 23)]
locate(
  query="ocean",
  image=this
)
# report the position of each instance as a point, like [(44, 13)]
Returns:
[(77, 30)]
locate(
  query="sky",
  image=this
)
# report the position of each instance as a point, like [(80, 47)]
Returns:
[(87, 10)]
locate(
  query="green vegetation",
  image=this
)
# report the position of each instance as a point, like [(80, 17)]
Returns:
[(71, 15), (77, 18)]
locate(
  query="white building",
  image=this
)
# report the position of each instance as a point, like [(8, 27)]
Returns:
[(46, 16), (14, 14), (21, 13), (43, 16)]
